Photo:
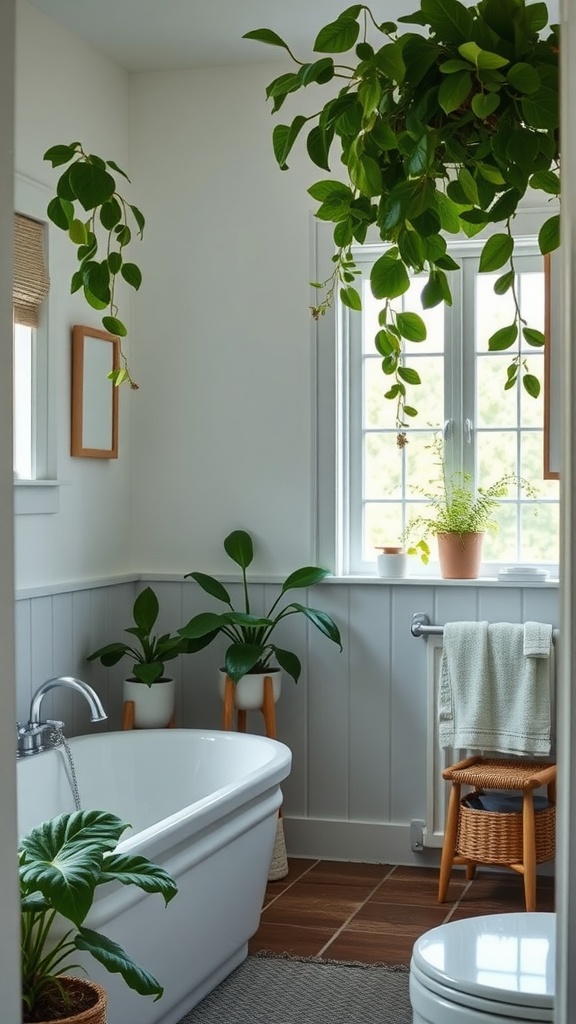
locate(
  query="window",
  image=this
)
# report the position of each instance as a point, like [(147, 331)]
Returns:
[(36, 489), (30, 290), (488, 431)]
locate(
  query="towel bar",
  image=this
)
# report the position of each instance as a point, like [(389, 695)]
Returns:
[(421, 626)]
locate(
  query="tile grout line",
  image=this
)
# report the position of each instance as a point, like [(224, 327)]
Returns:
[(289, 885), (356, 911)]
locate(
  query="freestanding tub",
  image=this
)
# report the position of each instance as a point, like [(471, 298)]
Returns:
[(202, 804)]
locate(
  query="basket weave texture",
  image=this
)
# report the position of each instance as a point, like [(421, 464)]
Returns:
[(279, 863), (95, 1014), (496, 837)]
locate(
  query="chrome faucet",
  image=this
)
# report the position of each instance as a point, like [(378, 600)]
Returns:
[(38, 735)]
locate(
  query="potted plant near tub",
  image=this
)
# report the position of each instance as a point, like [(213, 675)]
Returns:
[(61, 863), (151, 690), (251, 654), (458, 516)]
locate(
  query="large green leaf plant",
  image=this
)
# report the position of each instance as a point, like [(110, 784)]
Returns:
[(98, 219), (440, 131), (62, 863), (250, 648)]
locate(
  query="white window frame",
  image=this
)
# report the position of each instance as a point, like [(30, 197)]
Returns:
[(333, 413), (40, 494)]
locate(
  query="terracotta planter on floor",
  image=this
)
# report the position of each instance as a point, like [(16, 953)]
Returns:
[(460, 555), (94, 1014)]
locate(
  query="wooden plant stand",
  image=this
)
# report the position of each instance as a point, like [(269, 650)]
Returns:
[(128, 716), (267, 709)]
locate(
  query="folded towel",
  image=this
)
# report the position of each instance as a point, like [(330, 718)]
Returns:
[(491, 697), (537, 639)]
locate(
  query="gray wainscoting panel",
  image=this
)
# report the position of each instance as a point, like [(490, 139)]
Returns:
[(356, 721)]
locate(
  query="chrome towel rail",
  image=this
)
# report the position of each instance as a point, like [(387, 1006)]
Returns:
[(421, 626)]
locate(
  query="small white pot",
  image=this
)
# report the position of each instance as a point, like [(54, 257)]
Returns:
[(392, 563), (249, 690), (153, 705)]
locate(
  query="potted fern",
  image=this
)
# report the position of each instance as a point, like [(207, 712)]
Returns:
[(459, 516), (62, 862)]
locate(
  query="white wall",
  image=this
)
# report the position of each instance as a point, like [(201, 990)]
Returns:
[(225, 342), (66, 91)]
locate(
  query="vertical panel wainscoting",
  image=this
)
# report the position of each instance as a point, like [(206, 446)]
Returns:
[(356, 722)]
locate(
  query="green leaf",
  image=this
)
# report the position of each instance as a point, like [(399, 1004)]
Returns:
[(146, 610), (531, 384), (323, 190), (116, 960), (524, 78), (92, 300), (549, 235), (307, 576), (114, 326), (321, 620), (482, 58), (496, 252), (60, 212), (114, 262), (542, 109), (265, 35), (110, 214), (546, 181), (365, 174), (115, 167), (504, 283), (241, 659), (411, 326), (132, 275), (320, 71), (205, 624), (351, 298), (337, 37), (139, 218), (78, 232), (408, 374), (284, 137), (148, 672), (390, 60), (97, 279), (484, 104), (288, 662), (91, 185), (503, 339), (454, 90), (450, 20), (388, 278), (318, 144), (533, 337), (59, 155), (238, 546)]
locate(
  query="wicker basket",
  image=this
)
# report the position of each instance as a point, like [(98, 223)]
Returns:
[(496, 837)]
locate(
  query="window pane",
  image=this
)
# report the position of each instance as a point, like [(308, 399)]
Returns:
[(382, 466), (540, 532), (23, 339), (382, 526)]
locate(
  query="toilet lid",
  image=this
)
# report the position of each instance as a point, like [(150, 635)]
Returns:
[(508, 958)]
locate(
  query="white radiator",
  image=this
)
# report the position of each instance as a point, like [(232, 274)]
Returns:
[(437, 759)]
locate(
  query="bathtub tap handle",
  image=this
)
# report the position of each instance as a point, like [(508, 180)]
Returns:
[(37, 735)]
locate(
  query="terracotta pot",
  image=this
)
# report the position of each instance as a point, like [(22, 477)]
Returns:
[(249, 690), (95, 1014), (460, 555), (153, 705)]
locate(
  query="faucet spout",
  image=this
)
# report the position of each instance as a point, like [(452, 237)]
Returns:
[(97, 712)]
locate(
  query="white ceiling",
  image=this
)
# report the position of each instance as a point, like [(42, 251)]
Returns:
[(154, 35)]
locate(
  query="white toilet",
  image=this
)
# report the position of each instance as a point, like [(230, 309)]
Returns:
[(496, 969)]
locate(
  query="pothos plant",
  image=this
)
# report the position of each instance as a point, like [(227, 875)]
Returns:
[(88, 204), (439, 132)]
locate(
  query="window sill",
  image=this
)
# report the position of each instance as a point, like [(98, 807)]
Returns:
[(439, 581), (36, 497)]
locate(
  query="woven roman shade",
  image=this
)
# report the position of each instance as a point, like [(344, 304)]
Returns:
[(31, 281)]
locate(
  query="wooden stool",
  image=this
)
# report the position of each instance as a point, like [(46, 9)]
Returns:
[(128, 716), (267, 709), (516, 840)]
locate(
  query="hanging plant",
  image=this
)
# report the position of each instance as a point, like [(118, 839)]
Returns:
[(88, 186), (440, 132)]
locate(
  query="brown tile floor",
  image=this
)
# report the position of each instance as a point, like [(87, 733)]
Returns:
[(375, 912)]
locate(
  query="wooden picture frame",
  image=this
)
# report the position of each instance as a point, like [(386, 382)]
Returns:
[(94, 433), (552, 366)]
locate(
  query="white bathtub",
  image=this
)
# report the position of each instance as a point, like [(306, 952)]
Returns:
[(203, 805)]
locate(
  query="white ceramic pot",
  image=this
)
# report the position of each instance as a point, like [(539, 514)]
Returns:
[(392, 563), (153, 705), (249, 690)]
